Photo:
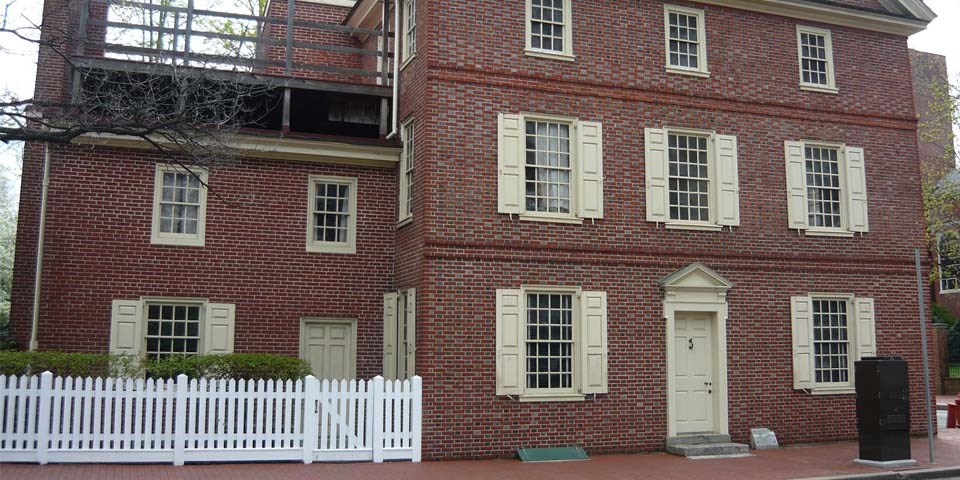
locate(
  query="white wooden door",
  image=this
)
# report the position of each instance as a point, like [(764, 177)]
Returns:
[(693, 373), (330, 348)]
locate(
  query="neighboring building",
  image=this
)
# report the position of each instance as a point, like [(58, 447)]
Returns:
[(931, 86), (603, 223)]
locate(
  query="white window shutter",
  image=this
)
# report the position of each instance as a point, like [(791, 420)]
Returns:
[(219, 328), (126, 327), (655, 159), (796, 185), (591, 169), (390, 336), (728, 181), (510, 164), (856, 190), (593, 333), (802, 320), (411, 350), (510, 340), (866, 328)]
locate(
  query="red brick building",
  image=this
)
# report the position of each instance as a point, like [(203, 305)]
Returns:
[(599, 223)]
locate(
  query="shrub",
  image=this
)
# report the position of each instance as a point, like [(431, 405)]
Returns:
[(942, 315), (235, 365), (68, 364), (953, 342)]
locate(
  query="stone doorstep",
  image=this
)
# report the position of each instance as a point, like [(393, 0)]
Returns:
[(701, 445), (708, 449)]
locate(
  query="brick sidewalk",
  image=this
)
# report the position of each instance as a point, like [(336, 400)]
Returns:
[(787, 463)]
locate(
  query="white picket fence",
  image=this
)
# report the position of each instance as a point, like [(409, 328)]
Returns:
[(79, 420)]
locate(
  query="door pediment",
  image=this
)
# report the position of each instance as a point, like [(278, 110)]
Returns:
[(695, 276)]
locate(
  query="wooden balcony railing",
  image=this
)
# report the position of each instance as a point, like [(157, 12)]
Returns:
[(272, 43)]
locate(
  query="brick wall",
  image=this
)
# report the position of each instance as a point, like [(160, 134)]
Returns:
[(98, 249), (475, 62)]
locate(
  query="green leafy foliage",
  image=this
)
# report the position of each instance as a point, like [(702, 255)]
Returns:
[(942, 315), (236, 365), (68, 364), (953, 342)]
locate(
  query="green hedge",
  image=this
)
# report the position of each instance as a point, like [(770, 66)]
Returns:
[(236, 365), (68, 364)]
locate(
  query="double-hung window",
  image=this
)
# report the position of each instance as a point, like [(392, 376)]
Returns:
[(549, 28), (332, 215), (409, 48), (948, 261), (158, 328), (686, 42), (551, 343), (691, 178), (826, 184), (179, 206), (815, 52), (550, 167), (547, 167), (408, 134), (830, 333)]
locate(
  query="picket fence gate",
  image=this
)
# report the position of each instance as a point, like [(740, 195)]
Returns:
[(124, 420)]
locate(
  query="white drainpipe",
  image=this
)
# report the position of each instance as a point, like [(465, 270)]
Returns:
[(39, 266)]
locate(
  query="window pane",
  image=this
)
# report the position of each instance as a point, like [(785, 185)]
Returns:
[(823, 187), (548, 171), (331, 212), (547, 25), (172, 329), (550, 347), (831, 343), (813, 59), (689, 182), (179, 202)]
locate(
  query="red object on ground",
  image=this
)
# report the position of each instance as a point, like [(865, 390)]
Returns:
[(951, 415)]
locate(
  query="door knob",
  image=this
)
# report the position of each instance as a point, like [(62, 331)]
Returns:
[(691, 343)]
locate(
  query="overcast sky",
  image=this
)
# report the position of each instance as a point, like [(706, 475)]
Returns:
[(18, 58)]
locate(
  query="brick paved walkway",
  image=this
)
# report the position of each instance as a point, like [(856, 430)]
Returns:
[(786, 463)]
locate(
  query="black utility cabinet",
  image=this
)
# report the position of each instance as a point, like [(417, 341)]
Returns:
[(883, 409)]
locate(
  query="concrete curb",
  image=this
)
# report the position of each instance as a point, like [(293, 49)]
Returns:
[(920, 474)]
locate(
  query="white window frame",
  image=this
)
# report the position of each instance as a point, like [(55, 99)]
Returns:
[(409, 28), (182, 239), (176, 301), (408, 134), (943, 281), (712, 180), (572, 216), (348, 247), (831, 86), (844, 228), (701, 70), (555, 394), (853, 350), (567, 53)]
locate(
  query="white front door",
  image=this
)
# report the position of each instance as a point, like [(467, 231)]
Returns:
[(693, 372), (330, 348)]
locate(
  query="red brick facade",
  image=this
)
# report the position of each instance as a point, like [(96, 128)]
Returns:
[(458, 250)]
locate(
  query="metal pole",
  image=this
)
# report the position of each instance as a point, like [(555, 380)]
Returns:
[(926, 355)]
